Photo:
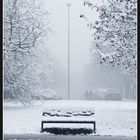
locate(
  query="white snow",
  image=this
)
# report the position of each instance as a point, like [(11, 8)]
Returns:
[(112, 117), (68, 113)]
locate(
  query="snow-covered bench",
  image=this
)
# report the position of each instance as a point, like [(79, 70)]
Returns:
[(68, 115)]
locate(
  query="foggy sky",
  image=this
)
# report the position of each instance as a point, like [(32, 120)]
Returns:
[(80, 40)]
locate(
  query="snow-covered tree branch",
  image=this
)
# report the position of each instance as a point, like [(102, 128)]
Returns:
[(115, 33), (24, 29)]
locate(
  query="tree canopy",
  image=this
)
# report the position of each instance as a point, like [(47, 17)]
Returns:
[(115, 33)]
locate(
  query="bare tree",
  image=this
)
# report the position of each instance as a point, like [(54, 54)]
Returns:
[(23, 31)]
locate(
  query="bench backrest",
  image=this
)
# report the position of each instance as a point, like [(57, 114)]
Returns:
[(68, 112)]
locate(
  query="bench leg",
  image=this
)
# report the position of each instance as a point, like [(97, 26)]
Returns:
[(94, 127), (42, 126)]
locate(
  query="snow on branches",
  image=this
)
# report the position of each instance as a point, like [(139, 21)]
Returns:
[(115, 33), (23, 31)]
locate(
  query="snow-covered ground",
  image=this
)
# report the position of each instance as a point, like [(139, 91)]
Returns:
[(112, 117)]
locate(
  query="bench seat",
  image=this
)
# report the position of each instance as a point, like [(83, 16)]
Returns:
[(73, 118)]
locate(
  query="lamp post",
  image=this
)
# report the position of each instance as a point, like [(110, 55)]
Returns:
[(33, 2), (68, 5)]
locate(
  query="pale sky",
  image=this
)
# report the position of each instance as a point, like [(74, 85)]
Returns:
[(79, 34), (80, 39)]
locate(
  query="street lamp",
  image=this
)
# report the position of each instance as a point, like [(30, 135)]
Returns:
[(33, 2), (68, 5)]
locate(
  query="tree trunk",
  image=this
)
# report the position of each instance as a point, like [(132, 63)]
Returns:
[(129, 89)]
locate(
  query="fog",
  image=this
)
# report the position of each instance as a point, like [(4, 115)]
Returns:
[(80, 44)]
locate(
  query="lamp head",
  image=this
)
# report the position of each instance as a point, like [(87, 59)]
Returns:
[(68, 4)]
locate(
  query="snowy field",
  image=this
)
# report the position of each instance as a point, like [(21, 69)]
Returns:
[(117, 118)]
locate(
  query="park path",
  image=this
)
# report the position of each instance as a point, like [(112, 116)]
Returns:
[(63, 137)]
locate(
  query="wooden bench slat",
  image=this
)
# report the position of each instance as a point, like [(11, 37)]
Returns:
[(68, 116), (68, 121)]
